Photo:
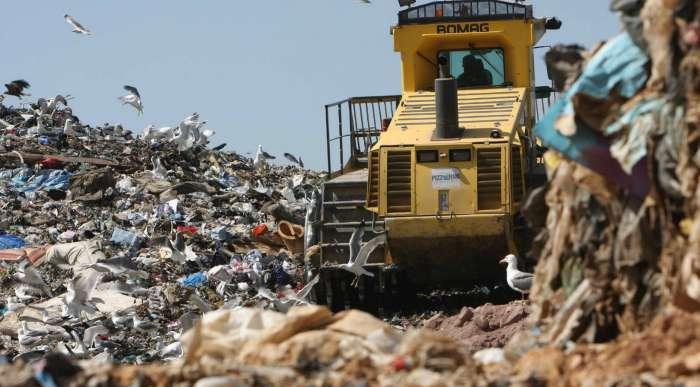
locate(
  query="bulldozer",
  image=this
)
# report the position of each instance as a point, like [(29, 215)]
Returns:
[(440, 171)]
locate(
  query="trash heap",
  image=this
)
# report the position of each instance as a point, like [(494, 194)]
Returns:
[(113, 244), (619, 229), (616, 299)]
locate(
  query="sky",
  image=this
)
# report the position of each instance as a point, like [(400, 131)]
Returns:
[(258, 71)]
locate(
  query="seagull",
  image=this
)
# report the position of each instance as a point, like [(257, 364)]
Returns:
[(261, 158), (356, 264), (14, 305), (133, 98), (120, 266), (145, 326), (51, 104), (159, 170), (302, 296), (365, 1), (27, 274), (121, 317), (91, 334), (130, 289), (519, 281), (77, 27), (78, 299), (294, 160), (68, 127), (16, 88)]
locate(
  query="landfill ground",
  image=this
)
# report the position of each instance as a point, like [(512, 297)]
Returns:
[(158, 259)]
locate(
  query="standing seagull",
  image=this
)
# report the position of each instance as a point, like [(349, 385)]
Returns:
[(77, 27), (133, 98), (16, 88), (518, 280), (261, 158)]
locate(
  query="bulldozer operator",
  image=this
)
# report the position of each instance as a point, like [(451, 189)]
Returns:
[(474, 73)]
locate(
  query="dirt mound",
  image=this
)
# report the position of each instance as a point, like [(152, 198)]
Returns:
[(487, 326)]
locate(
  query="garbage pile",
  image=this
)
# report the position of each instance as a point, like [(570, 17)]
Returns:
[(618, 248), (113, 244)]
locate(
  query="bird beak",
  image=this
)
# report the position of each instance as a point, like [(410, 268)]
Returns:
[(503, 261)]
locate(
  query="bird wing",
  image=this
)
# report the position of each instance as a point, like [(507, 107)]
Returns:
[(368, 248), (92, 332), (84, 285), (61, 99), (355, 242), (522, 281), (268, 156), (132, 90), (304, 292), (266, 293), (21, 83), (291, 158), (71, 20)]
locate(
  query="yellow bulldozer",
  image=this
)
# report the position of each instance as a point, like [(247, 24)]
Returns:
[(441, 170)]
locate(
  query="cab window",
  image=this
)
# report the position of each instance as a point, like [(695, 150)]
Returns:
[(477, 68)]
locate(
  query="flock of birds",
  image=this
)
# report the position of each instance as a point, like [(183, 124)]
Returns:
[(17, 88)]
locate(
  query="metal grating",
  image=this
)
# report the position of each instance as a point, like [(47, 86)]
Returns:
[(398, 182), (516, 171), (483, 109), (373, 189), (464, 10), (488, 169)]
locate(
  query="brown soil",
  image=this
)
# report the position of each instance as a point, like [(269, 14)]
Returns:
[(486, 326)]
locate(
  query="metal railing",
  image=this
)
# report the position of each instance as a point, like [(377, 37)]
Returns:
[(545, 97), (359, 122), (465, 10)]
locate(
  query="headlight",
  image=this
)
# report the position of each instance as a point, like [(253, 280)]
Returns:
[(427, 156), (457, 155)]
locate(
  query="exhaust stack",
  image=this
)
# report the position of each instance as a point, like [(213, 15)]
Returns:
[(446, 120)]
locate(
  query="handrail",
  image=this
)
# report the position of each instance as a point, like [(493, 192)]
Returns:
[(357, 120)]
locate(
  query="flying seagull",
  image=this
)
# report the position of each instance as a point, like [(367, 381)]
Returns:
[(77, 27), (356, 265), (79, 298), (302, 296), (294, 160), (133, 98), (16, 88), (519, 281)]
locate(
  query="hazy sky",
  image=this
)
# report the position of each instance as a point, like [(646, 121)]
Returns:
[(258, 71)]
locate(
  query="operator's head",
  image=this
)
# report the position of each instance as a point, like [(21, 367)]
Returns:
[(469, 63)]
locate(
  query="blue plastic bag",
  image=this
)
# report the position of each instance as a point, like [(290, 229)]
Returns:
[(8, 241), (194, 280)]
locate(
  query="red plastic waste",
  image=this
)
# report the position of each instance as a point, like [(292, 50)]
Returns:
[(259, 230)]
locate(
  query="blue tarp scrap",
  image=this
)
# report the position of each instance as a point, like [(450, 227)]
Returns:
[(194, 280), (619, 65), (8, 241), (27, 180)]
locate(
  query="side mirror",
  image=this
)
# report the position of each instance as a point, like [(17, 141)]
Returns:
[(552, 23), (543, 92)]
